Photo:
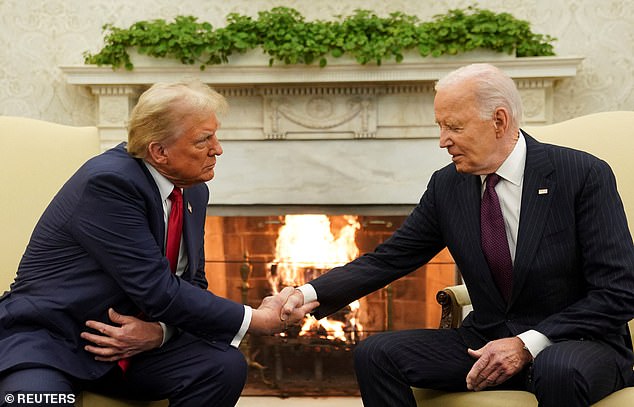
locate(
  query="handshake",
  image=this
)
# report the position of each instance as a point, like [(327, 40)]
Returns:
[(279, 311)]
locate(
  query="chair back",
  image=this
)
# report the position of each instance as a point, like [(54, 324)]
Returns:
[(38, 157)]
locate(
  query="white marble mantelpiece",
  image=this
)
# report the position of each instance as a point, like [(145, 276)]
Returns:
[(339, 135)]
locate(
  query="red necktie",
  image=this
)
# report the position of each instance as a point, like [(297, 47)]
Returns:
[(493, 235), (172, 247), (174, 228)]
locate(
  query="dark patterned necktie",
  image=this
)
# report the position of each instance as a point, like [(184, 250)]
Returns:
[(493, 237)]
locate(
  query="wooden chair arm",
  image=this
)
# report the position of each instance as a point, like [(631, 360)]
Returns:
[(452, 299)]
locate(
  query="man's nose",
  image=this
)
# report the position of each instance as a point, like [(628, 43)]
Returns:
[(444, 140), (216, 148)]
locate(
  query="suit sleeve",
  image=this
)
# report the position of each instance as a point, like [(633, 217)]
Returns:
[(111, 223), (411, 246), (199, 275)]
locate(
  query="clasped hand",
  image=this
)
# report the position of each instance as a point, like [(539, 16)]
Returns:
[(279, 311), (496, 362)]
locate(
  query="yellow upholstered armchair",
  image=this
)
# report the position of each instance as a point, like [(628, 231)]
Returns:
[(37, 158), (607, 135)]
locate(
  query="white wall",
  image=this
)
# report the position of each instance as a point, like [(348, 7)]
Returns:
[(37, 36)]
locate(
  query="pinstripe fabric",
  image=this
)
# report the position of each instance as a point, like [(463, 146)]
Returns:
[(573, 277), (575, 373)]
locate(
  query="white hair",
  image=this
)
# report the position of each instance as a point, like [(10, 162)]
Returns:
[(494, 89)]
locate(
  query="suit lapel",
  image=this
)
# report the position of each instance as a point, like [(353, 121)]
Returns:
[(188, 219), (468, 199), (537, 192), (157, 222)]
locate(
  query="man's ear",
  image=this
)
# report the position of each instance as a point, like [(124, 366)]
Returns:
[(157, 152), (501, 121)]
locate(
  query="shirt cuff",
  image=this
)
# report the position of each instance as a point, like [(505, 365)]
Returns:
[(534, 341), (246, 321), (309, 293), (168, 332)]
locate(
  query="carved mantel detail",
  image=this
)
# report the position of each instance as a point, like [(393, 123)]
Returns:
[(320, 112)]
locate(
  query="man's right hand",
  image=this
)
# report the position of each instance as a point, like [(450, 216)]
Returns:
[(293, 302), (269, 318)]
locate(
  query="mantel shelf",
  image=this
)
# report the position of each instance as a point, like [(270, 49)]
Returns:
[(430, 69)]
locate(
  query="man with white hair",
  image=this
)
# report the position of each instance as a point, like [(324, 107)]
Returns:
[(540, 236)]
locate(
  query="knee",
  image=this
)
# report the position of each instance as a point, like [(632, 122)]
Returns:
[(559, 374), (372, 351), (221, 383), (35, 380), (550, 366), (234, 374), (232, 371)]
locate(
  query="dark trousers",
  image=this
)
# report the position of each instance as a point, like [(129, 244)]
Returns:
[(186, 370), (571, 373)]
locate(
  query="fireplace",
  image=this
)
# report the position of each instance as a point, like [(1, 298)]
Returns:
[(246, 261)]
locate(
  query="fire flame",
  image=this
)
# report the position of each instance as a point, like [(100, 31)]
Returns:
[(305, 248), (305, 245)]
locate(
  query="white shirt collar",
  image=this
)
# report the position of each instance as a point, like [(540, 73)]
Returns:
[(164, 185), (512, 169)]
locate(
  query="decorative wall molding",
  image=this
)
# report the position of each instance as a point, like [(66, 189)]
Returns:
[(319, 115)]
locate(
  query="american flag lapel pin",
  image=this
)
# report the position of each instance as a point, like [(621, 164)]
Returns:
[(542, 191), (189, 207)]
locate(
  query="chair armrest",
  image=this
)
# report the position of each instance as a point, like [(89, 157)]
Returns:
[(452, 299)]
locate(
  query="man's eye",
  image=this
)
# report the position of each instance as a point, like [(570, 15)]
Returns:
[(206, 138), (447, 127)]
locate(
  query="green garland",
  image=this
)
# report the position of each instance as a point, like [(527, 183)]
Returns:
[(285, 35)]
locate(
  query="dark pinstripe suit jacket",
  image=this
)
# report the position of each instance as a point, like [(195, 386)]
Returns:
[(573, 275)]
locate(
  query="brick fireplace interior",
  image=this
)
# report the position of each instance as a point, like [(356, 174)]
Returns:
[(240, 259)]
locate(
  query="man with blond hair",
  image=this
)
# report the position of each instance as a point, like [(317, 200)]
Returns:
[(110, 294)]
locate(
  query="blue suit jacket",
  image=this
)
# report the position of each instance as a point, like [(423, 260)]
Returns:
[(99, 244), (573, 273)]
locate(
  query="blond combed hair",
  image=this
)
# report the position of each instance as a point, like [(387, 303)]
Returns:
[(165, 111)]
